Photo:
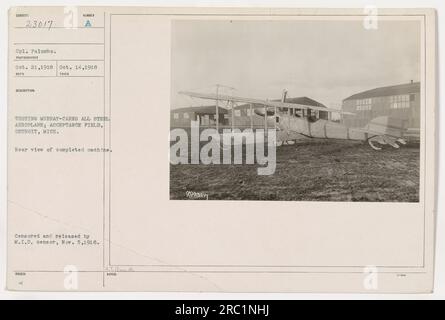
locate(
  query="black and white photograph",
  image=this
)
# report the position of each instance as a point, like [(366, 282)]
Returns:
[(296, 109), (222, 155)]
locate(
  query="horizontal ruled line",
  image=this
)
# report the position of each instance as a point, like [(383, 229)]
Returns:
[(216, 271), (49, 28), (59, 43), (59, 76), (54, 60)]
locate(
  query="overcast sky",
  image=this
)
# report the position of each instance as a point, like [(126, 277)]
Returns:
[(326, 61)]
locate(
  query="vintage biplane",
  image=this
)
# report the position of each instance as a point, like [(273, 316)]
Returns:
[(288, 122)]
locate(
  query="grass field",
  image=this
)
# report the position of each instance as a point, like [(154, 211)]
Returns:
[(315, 170)]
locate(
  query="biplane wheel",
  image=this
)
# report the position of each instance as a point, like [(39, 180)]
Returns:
[(290, 142), (279, 143)]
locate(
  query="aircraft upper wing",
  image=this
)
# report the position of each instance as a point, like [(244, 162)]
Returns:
[(267, 103)]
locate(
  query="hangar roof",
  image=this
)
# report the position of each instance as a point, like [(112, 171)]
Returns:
[(298, 100), (387, 91)]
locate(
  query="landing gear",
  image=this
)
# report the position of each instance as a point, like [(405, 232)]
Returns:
[(385, 140)]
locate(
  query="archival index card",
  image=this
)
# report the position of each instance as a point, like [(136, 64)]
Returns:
[(223, 149)]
